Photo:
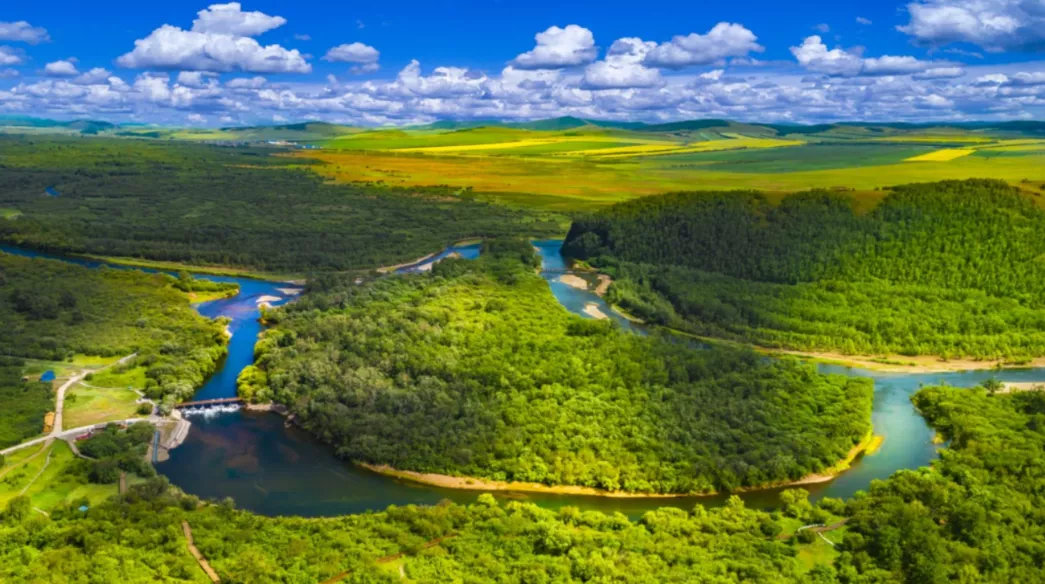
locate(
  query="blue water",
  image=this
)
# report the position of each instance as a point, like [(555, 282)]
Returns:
[(469, 252), (553, 265)]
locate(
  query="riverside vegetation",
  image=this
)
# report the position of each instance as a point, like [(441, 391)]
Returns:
[(951, 269), (54, 310), (973, 516), (474, 369)]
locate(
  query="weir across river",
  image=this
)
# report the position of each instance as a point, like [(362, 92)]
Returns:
[(209, 402)]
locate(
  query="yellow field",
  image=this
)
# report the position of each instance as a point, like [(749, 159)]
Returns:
[(569, 183), (945, 155), (465, 148), (708, 146)]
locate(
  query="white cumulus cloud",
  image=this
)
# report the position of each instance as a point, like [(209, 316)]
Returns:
[(10, 56), (559, 47), (220, 40), (724, 40), (23, 32), (623, 67), (995, 25), (230, 19), (814, 56), (62, 68), (353, 53)]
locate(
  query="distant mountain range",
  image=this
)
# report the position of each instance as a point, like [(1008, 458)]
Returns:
[(317, 130)]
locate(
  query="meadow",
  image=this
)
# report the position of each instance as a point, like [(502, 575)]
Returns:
[(592, 166)]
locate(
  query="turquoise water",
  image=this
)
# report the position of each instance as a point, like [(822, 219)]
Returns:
[(273, 469)]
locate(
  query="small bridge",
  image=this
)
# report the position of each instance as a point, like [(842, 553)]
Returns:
[(210, 402)]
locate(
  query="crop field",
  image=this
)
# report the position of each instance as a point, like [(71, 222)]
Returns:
[(945, 155), (589, 168)]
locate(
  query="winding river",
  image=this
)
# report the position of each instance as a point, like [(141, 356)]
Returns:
[(271, 468)]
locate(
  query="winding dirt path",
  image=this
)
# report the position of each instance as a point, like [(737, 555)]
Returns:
[(196, 553)]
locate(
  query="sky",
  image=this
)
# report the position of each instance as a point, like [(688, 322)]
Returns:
[(411, 62)]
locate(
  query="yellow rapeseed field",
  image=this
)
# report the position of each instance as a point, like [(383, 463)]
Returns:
[(945, 155)]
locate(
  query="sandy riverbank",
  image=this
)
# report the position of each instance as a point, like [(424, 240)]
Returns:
[(593, 310), (905, 364), (1010, 387), (868, 445), (388, 269), (574, 281)]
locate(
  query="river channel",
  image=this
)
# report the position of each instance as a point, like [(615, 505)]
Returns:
[(272, 468)]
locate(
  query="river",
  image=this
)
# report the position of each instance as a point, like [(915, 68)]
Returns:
[(275, 469)]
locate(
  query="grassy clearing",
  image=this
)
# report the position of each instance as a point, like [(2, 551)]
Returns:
[(945, 155), (938, 139), (94, 404), (9, 213), (119, 377), (58, 483)]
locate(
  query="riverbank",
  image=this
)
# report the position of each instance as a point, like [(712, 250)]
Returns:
[(868, 445), (228, 271), (918, 364), (1013, 386), (904, 363), (390, 269)]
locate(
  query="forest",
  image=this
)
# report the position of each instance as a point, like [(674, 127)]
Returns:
[(227, 206), (53, 310), (951, 269), (25, 402), (975, 515), (475, 370)]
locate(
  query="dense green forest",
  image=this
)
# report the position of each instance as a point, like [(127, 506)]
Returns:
[(114, 450), (52, 310), (476, 370), (234, 206), (24, 402), (952, 268), (974, 516), (978, 515)]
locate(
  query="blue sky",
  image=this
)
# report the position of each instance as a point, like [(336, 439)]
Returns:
[(407, 62)]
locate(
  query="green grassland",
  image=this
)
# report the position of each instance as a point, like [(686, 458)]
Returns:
[(87, 404), (590, 166), (50, 476)]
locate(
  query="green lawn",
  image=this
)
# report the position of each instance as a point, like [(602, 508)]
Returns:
[(92, 405), (57, 484)]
